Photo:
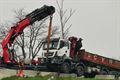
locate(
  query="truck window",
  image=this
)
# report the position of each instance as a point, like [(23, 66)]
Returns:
[(61, 44), (67, 44), (52, 45), (64, 44)]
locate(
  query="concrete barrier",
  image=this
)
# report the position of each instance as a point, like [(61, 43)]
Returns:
[(30, 73), (106, 77), (6, 73)]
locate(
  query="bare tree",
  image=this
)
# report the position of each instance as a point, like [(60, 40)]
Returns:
[(38, 33), (20, 40), (3, 29), (64, 18), (30, 41)]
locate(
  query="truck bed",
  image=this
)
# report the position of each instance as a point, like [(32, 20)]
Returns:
[(100, 60)]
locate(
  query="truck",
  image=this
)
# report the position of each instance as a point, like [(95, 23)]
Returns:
[(66, 55)]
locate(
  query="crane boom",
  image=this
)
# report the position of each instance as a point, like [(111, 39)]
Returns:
[(15, 31)]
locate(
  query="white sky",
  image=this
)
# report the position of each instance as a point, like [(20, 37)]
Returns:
[(96, 21)]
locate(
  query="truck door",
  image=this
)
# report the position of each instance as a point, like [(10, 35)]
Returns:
[(63, 48)]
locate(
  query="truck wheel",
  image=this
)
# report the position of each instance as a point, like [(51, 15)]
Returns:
[(65, 67), (105, 72), (86, 75), (89, 75), (116, 77), (79, 70), (92, 75)]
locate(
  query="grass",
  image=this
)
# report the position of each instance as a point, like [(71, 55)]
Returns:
[(47, 78)]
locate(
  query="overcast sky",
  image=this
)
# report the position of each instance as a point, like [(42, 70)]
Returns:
[(96, 21)]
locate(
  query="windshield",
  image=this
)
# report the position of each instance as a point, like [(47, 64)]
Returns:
[(53, 45)]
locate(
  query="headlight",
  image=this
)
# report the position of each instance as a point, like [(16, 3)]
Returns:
[(53, 60)]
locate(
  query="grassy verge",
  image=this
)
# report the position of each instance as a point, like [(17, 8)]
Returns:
[(47, 78)]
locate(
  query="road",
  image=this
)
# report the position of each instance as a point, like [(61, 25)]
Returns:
[(8, 72)]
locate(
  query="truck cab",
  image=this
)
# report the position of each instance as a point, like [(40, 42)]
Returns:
[(58, 48), (61, 54), (58, 57)]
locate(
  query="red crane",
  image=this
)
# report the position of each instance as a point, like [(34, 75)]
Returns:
[(16, 30)]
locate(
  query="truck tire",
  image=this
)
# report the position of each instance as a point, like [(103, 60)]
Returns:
[(89, 75), (116, 77), (104, 72), (86, 75), (92, 75), (79, 71), (65, 67)]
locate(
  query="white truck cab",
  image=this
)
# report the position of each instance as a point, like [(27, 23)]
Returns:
[(57, 47)]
